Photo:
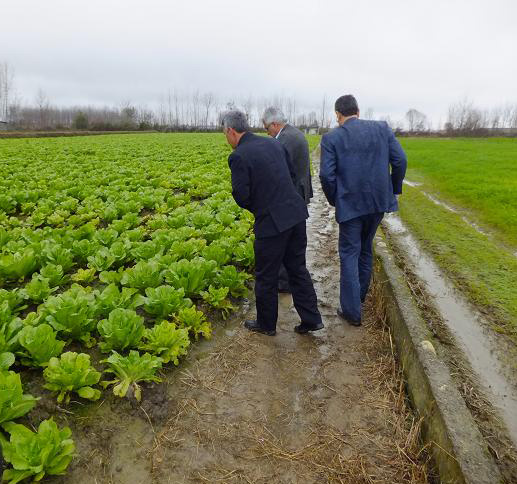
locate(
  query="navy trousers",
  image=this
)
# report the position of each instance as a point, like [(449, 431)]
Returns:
[(288, 248), (356, 256)]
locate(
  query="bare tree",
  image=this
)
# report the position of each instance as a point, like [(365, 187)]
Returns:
[(417, 121), (43, 106), (208, 100), (6, 87)]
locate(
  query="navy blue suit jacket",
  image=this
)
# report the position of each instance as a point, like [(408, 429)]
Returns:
[(362, 168), (262, 183)]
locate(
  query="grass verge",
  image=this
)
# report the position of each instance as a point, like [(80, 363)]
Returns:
[(484, 271)]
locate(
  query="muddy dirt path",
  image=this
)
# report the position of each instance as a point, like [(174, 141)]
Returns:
[(244, 407)]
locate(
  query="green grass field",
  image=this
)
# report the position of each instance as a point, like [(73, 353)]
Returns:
[(476, 175), (479, 177)]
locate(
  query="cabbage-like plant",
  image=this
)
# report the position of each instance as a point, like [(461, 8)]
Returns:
[(14, 299), (38, 289), (163, 301), (142, 275), (194, 321), (217, 298), (54, 253), (72, 372), (35, 454), (18, 265), (217, 252), (84, 275), (72, 313), (112, 298), (193, 276), (234, 280), (13, 402), (102, 260), (123, 329), (54, 273), (131, 369), (39, 344), (166, 341), (244, 254)]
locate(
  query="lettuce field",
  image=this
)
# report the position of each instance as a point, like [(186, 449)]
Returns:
[(116, 253)]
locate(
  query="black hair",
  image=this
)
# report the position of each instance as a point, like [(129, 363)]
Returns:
[(346, 105)]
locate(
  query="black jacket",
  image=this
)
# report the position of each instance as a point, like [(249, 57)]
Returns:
[(262, 182)]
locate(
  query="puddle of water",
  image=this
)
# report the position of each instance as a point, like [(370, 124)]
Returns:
[(465, 324)]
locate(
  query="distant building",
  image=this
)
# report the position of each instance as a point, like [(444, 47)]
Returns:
[(3, 125), (312, 129)]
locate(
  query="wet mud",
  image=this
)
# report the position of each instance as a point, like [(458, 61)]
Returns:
[(247, 408)]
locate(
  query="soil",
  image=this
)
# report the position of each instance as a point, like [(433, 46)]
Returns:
[(247, 408)]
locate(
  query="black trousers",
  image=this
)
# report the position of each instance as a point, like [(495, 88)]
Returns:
[(270, 252)]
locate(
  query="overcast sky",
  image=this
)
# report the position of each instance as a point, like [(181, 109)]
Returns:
[(393, 55)]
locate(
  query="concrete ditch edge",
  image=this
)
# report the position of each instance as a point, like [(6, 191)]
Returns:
[(457, 446)]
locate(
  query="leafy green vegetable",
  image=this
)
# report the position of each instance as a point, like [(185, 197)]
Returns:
[(84, 275), (38, 289), (72, 313), (13, 298), (18, 265), (163, 301), (54, 273), (13, 403), (123, 329), (130, 370), (40, 344), (244, 254), (49, 451), (54, 253), (193, 276), (167, 342), (142, 275), (217, 299), (232, 279), (194, 321), (72, 372), (7, 360), (102, 260), (112, 298)]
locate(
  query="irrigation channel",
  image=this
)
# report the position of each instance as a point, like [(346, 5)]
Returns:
[(481, 360), (248, 408)]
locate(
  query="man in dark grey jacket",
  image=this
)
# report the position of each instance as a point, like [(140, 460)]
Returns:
[(275, 123)]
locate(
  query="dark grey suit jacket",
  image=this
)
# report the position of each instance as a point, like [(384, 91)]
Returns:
[(298, 148)]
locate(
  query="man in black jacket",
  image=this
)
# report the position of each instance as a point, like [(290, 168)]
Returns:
[(262, 183)]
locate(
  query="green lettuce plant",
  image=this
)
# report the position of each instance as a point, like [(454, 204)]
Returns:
[(72, 372), (193, 276), (163, 301), (244, 254), (194, 321), (166, 341), (72, 313), (217, 298), (142, 275), (35, 454), (102, 260), (18, 265), (123, 329), (234, 280), (54, 273), (13, 402), (39, 344), (111, 297), (38, 289), (84, 275), (131, 369)]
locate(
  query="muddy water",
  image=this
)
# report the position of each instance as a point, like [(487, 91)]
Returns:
[(472, 333), (245, 407)]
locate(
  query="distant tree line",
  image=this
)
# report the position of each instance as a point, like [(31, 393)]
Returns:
[(200, 111)]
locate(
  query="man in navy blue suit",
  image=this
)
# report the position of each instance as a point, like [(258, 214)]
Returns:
[(361, 172), (262, 182)]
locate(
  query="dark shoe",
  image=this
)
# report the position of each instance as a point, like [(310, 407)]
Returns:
[(349, 321), (252, 325), (305, 328)]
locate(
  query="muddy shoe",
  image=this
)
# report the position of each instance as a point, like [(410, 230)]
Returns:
[(252, 325), (351, 322), (305, 328)]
